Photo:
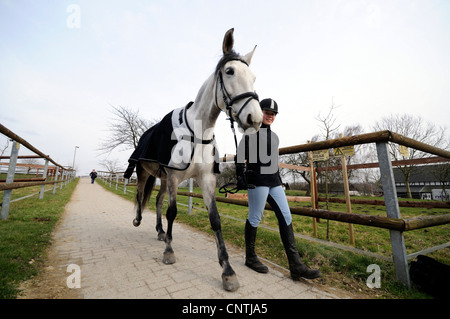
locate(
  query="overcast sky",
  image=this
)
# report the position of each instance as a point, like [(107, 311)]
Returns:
[(64, 63)]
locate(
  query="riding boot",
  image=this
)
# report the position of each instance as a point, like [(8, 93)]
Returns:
[(296, 266), (251, 260)]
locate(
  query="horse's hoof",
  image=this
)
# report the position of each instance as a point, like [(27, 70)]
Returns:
[(162, 236), (169, 258), (136, 222), (230, 283)]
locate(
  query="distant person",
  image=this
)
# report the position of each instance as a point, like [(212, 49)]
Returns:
[(93, 176)]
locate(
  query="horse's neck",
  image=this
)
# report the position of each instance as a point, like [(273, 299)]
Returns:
[(204, 112)]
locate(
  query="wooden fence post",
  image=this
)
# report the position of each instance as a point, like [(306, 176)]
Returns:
[(10, 179), (347, 195), (313, 189)]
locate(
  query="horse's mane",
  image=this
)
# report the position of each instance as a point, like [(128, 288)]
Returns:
[(230, 56)]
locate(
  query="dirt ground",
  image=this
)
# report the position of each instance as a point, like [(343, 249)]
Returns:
[(50, 283)]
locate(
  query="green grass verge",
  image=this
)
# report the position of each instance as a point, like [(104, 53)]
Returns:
[(26, 234)]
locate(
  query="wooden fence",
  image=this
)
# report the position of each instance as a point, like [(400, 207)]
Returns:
[(393, 221), (60, 174)]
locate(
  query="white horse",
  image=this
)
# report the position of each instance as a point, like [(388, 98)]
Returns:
[(228, 89)]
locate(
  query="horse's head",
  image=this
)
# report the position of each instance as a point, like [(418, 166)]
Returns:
[(234, 87)]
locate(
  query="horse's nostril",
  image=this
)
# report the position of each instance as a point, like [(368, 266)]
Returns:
[(249, 120)]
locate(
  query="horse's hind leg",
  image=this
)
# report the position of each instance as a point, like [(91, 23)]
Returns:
[(159, 204), (169, 255), (145, 183)]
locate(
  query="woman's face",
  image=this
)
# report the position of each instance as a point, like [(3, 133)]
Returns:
[(268, 117)]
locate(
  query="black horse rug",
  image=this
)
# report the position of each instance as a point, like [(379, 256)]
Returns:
[(170, 143), (431, 276)]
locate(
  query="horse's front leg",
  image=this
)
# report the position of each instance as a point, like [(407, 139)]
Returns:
[(229, 279)]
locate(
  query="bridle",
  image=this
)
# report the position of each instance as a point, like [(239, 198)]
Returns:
[(229, 101)]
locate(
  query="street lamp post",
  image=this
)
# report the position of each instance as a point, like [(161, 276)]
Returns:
[(74, 153)]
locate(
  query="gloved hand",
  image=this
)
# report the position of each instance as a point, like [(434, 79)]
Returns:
[(241, 181)]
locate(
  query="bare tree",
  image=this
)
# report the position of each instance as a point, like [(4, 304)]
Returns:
[(299, 159), (126, 127), (328, 123), (110, 166), (329, 126), (442, 173), (367, 180), (350, 130), (227, 174), (31, 162), (415, 128), (4, 147)]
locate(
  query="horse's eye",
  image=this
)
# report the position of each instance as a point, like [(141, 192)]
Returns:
[(229, 71)]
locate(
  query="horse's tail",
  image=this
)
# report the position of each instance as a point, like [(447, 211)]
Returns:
[(148, 189)]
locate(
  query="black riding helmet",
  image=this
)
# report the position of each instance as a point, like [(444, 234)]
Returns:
[(270, 105)]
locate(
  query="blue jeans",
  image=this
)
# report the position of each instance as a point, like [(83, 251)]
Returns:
[(275, 196)]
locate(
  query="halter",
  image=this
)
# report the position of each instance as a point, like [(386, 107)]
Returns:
[(229, 101)]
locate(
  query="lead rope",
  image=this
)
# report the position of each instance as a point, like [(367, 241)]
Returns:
[(224, 189)]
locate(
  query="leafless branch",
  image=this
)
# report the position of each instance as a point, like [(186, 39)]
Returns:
[(125, 128)]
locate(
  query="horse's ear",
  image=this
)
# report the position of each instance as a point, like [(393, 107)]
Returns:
[(248, 56), (228, 41)]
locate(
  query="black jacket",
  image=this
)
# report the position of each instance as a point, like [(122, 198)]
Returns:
[(260, 151)]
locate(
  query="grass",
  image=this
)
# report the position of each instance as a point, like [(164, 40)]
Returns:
[(26, 234), (341, 269)]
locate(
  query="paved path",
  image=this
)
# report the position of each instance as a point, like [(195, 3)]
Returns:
[(118, 260)]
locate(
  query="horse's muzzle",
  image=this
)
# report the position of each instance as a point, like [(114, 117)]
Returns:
[(252, 124)]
